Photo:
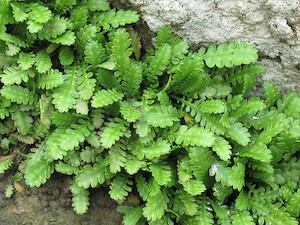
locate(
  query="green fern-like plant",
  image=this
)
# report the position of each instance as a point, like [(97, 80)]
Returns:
[(172, 127)]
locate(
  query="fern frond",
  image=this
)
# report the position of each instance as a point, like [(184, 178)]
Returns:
[(90, 176), (194, 187), (75, 135), (5, 165), (54, 28), (53, 78), (156, 149), (155, 207), (80, 198), (189, 76), (229, 55), (14, 75), (106, 97), (38, 173), (19, 12), (112, 133), (119, 187), (162, 173), (68, 38), (192, 136), (242, 218), (116, 159), (129, 113), (64, 6), (271, 93), (239, 133), (95, 53), (163, 116), (66, 56), (43, 62), (39, 13), (114, 19), (158, 63), (18, 94), (222, 148), (132, 78), (65, 168), (26, 60), (132, 214), (164, 35)]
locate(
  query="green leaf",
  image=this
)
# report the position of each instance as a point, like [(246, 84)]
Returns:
[(43, 62), (26, 60), (9, 191), (157, 149), (213, 106), (117, 159), (114, 18), (194, 187), (38, 173), (94, 53), (5, 165), (91, 176), (239, 133), (14, 75), (53, 78), (22, 121), (164, 35), (222, 148), (112, 133), (80, 199), (106, 97), (236, 177), (129, 113), (159, 62), (271, 93), (97, 5), (242, 218), (65, 168), (66, 56), (54, 28), (133, 164), (19, 14), (132, 78), (162, 116), (121, 49), (18, 94), (132, 214), (162, 173), (74, 135), (155, 207), (230, 55), (68, 38), (119, 187), (39, 13), (205, 217), (193, 136)]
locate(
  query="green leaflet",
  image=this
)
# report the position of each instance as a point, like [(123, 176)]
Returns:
[(18, 94), (229, 55), (106, 97), (119, 188)]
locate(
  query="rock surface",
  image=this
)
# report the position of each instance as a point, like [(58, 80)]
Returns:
[(272, 26)]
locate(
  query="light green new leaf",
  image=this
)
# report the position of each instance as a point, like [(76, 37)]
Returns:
[(66, 56), (114, 19), (116, 159), (133, 164), (74, 135), (271, 93), (94, 53), (237, 175), (80, 200), (106, 97), (39, 13), (159, 62), (65, 168), (132, 214), (19, 14)]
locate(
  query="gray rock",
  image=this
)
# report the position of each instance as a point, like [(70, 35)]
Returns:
[(272, 26)]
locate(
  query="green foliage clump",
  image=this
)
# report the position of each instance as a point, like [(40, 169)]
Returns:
[(172, 128)]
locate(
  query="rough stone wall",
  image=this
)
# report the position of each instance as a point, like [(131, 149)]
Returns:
[(273, 26)]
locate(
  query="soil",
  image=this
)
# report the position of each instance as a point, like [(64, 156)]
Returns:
[(52, 204)]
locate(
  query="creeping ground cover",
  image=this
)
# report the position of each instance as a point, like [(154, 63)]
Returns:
[(168, 131)]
